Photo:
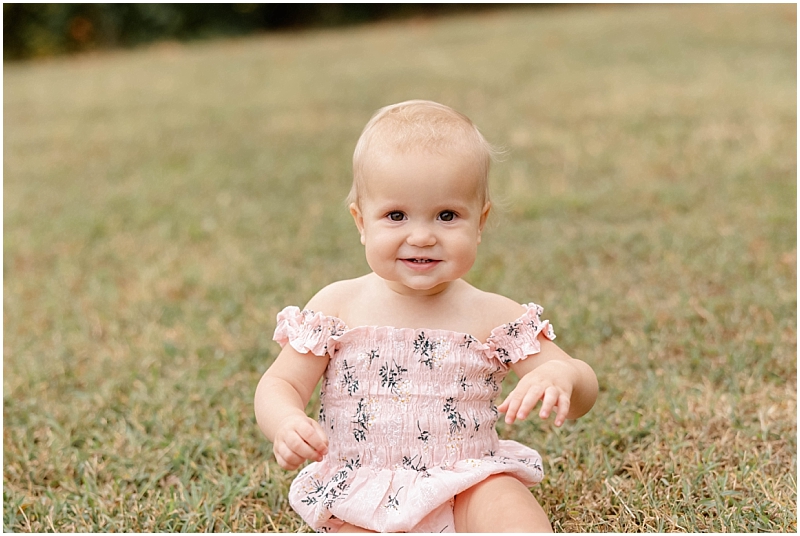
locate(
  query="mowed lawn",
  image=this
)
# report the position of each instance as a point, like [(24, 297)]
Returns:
[(162, 205)]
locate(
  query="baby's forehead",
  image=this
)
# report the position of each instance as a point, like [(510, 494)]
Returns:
[(425, 135), (405, 168), (382, 151)]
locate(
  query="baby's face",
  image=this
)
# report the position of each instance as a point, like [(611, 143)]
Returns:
[(420, 217)]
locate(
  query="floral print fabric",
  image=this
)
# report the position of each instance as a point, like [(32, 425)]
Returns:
[(410, 418)]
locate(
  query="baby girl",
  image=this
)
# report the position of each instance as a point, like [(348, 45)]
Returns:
[(411, 357)]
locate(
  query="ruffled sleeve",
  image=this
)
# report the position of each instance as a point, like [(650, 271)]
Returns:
[(307, 331), (517, 340)]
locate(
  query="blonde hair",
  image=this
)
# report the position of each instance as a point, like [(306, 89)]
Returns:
[(421, 124)]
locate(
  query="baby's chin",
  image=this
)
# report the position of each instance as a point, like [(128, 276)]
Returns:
[(415, 288)]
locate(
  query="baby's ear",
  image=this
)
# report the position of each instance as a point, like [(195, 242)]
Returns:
[(359, 219), (484, 215)]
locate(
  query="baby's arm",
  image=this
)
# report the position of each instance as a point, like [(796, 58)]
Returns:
[(284, 392), (280, 401), (557, 380)]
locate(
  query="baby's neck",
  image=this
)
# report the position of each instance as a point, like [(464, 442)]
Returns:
[(378, 304)]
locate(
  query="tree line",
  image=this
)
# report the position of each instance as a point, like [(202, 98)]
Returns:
[(38, 30)]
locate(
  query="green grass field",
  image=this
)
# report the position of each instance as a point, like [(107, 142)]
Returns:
[(162, 205)]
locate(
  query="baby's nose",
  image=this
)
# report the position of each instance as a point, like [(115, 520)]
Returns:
[(421, 236)]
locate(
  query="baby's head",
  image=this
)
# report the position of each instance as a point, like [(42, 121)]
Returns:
[(416, 126)]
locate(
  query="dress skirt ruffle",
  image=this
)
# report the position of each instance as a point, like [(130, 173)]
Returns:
[(401, 500)]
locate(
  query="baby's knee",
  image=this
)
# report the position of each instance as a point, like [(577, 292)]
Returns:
[(501, 503)]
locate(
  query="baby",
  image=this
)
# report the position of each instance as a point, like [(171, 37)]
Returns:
[(411, 356)]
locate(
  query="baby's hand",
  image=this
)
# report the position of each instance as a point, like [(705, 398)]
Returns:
[(549, 382), (299, 438)]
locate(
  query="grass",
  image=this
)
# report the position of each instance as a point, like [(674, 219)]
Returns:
[(162, 204)]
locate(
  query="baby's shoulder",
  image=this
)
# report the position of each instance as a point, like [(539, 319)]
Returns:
[(495, 309), (335, 298)]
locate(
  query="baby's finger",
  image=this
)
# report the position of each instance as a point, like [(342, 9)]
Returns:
[(286, 458), (299, 446), (505, 407), (549, 401), (502, 407), (320, 440), (510, 407), (563, 409), (310, 433), (532, 398)]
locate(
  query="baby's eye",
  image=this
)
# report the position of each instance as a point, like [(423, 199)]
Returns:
[(447, 215), (396, 216)]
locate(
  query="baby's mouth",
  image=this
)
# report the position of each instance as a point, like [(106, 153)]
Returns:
[(421, 263)]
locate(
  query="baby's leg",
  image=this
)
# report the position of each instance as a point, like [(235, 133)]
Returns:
[(501, 503)]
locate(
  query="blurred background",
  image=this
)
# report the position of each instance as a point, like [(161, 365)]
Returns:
[(33, 30), (175, 175)]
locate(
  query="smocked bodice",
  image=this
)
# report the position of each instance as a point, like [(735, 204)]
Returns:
[(385, 385)]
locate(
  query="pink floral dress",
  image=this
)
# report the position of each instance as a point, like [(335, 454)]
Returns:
[(410, 420)]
